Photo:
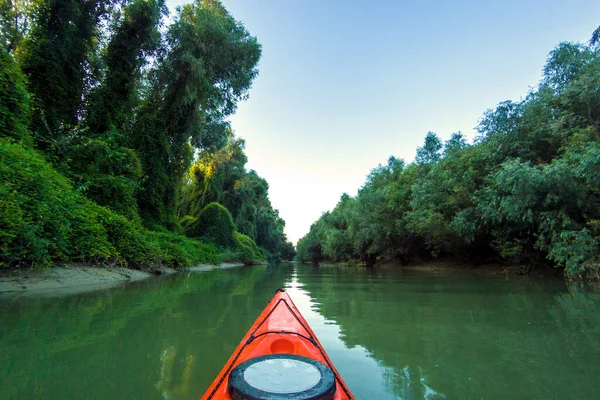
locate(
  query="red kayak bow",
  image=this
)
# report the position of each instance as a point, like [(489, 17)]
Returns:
[(280, 358)]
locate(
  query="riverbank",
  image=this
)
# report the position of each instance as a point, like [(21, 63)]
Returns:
[(80, 278), (454, 266)]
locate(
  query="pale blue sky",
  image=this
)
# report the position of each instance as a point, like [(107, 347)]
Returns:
[(345, 84)]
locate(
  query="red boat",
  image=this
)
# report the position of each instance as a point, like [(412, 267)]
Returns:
[(280, 358)]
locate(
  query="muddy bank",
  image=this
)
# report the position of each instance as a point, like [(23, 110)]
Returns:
[(74, 278)]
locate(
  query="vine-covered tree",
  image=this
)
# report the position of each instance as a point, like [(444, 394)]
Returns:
[(207, 67), (134, 38), (56, 57)]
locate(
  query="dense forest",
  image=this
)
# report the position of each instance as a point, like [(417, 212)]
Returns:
[(526, 192), (114, 142)]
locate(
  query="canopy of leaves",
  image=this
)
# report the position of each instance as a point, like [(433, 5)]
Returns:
[(207, 67), (119, 107), (526, 192)]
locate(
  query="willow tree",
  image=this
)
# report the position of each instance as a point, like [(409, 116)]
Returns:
[(208, 66)]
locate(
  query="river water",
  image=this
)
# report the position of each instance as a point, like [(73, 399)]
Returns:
[(391, 334)]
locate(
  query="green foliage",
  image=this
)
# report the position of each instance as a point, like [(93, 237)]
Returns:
[(215, 224), (525, 192), (55, 56), (431, 150), (221, 176), (14, 100), (145, 249), (134, 37), (595, 39), (186, 221), (43, 220), (15, 21), (118, 109), (104, 171), (208, 66), (249, 252)]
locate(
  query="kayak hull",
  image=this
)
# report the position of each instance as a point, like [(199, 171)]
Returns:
[(279, 329)]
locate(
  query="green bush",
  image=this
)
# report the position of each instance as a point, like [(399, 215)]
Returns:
[(43, 220), (214, 223), (247, 249), (14, 99), (103, 170), (186, 221)]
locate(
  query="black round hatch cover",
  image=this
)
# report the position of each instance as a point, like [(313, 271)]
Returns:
[(281, 377)]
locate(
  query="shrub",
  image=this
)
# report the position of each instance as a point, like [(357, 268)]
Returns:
[(43, 220), (106, 172), (214, 223), (186, 221), (249, 252)]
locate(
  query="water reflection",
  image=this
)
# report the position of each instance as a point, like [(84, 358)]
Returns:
[(392, 335), (161, 338), (456, 335)]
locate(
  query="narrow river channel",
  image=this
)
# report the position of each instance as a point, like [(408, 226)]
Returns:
[(391, 334)]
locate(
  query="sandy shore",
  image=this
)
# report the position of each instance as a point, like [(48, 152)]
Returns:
[(70, 279)]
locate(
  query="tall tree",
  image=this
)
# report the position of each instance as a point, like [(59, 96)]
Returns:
[(208, 67), (55, 57), (430, 152), (14, 99), (595, 40), (135, 37), (15, 22)]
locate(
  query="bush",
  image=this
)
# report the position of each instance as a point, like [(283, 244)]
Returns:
[(43, 220), (215, 224), (186, 221), (247, 249), (106, 172), (14, 100)]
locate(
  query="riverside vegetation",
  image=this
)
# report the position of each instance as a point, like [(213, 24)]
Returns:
[(114, 144), (526, 192)]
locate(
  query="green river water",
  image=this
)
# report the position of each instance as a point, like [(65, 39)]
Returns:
[(391, 334)]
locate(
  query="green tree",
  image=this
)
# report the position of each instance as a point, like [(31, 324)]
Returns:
[(214, 223), (56, 57), (208, 66), (134, 38), (595, 40), (431, 150), (525, 192), (220, 175), (15, 22)]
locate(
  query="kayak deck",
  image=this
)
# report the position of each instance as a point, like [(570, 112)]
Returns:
[(279, 329)]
